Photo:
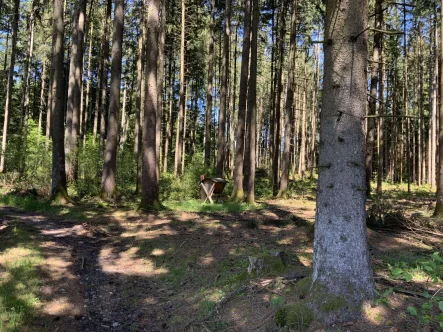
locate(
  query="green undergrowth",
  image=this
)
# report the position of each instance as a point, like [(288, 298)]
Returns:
[(194, 205), (20, 259), (30, 203)]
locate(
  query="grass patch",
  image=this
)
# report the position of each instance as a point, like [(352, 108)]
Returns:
[(42, 205), (19, 279), (195, 205)]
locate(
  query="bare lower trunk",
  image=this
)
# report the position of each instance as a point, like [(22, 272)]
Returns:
[(238, 193), (182, 102), (42, 101), (160, 78), (342, 272), (110, 163), (149, 165), (58, 188), (284, 181), (221, 148)]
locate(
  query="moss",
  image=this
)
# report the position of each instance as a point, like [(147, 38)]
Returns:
[(297, 315), (273, 265), (303, 287), (332, 303)]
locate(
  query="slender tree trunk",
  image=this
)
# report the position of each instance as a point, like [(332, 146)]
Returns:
[(182, 102), (370, 138), (88, 85), (289, 117), (168, 139), (238, 193), (25, 98), (342, 267), (302, 156), (208, 116), (432, 171), (277, 137), (233, 112), (10, 86), (42, 101), (138, 101), (221, 148), (381, 140), (110, 163), (123, 119), (160, 78), (252, 108), (439, 206), (58, 189)]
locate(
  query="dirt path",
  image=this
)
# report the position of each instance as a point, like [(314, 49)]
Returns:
[(80, 292)]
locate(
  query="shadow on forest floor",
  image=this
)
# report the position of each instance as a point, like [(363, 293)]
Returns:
[(101, 269)]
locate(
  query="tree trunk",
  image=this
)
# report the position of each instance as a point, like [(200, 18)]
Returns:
[(110, 163), (149, 165), (58, 189), (221, 148), (208, 116), (284, 181), (138, 101), (25, 97), (238, 193), (160, 78), (370, 138), (432, 171), (381, 108), (88, 84), (42, 100), (252, 109), (277, 137), (342, 271), (439, 206), (182, 102), (10, 86), (168, 139), (302, 156), (232, 113)]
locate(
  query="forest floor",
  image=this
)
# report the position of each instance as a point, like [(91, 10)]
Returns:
[(97, 268)]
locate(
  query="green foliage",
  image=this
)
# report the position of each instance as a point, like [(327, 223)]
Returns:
[(383, 297), (431, 311)]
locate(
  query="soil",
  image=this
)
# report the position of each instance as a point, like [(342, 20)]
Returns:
[(122, 271)]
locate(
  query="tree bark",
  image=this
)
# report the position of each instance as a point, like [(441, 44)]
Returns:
[(221, 148), (110, 163), (252, 108), (10, 86), (160, 78), (25, 97), (149, 166), (342, 271), (370, 138), (42, 100), (238, 194), (88, 84), (59, 191), (284, 181), (439, 206), (182, 102)]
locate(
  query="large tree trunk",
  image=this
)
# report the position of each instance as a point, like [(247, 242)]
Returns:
[(221, 148), (238, 194), (342, 271), (58, 189), (110, 163), (149, 165), (182, 102), (252, 109), (370, 138), (284, 181), (10, 86)]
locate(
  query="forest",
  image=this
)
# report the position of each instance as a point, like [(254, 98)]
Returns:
[(221, 165)]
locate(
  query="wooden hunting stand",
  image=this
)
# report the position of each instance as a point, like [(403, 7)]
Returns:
[(211, 187)]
